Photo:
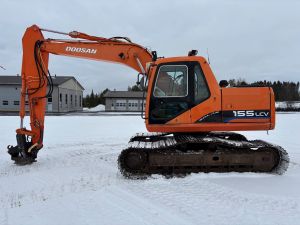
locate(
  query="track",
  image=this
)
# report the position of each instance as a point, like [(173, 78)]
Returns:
[(180, 154)]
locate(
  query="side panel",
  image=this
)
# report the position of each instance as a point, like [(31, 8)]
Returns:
[(246, 105)]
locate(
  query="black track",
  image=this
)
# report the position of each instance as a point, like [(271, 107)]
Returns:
[(136, 161)]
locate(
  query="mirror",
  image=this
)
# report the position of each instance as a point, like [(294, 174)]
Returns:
[(223, 83)]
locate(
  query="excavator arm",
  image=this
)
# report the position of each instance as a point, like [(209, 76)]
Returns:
[(37, 82)]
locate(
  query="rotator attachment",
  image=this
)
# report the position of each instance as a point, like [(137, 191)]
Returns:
[(24, 152)]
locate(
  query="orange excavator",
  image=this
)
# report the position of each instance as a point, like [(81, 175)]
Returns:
[(189, 116)]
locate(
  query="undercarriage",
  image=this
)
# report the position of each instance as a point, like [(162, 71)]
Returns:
[(180, 154)]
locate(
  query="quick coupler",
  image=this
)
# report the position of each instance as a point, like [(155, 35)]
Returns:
[(23, 153)]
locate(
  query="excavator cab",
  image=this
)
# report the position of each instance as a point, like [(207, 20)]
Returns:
[(177, 87), (184, 96), (180, 91)]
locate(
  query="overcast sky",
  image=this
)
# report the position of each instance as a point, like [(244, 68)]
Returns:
[(252, 39)]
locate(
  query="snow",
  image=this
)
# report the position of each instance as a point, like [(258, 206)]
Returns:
[(291, 104), (76, 181), (95, 109), (99, 110)]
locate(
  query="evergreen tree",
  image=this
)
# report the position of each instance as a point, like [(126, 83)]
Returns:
[(283, 91), (93, 99), (134, 88), (101, 99)]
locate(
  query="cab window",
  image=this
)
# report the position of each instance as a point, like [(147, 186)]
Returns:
[(171, 81), (200, 86)]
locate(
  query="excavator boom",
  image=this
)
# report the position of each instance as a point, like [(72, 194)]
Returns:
[(37, 81)]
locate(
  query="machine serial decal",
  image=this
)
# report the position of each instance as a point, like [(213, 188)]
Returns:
[(81, 50), (227, 116), (250, 113)]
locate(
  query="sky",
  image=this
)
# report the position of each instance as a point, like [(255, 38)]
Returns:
[(248, 39)]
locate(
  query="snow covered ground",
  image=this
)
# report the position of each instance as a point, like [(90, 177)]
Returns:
[(99, 110), (76, 181), (95, 109)]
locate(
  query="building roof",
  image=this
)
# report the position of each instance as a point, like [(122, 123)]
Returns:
[(16, 80), (124, 94)]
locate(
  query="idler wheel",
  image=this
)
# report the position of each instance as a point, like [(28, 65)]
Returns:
[(135, 160)]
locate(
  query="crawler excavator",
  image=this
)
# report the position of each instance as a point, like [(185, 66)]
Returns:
[(189, 116)]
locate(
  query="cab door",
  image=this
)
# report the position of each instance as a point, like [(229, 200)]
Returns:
[(171, 92)]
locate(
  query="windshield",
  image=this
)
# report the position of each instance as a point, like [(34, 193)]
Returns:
[(171, 81)]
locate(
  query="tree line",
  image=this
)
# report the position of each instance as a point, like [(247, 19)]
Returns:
[(92, 100), (283, 90)]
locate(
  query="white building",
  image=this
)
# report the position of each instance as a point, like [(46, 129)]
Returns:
[(66, 96), (124, 101)]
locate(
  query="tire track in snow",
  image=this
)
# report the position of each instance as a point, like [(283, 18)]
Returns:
[(82, 144), (124, 201), (50, 191), (191, 197), (120, 198), (89, 161), (78, 155)]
